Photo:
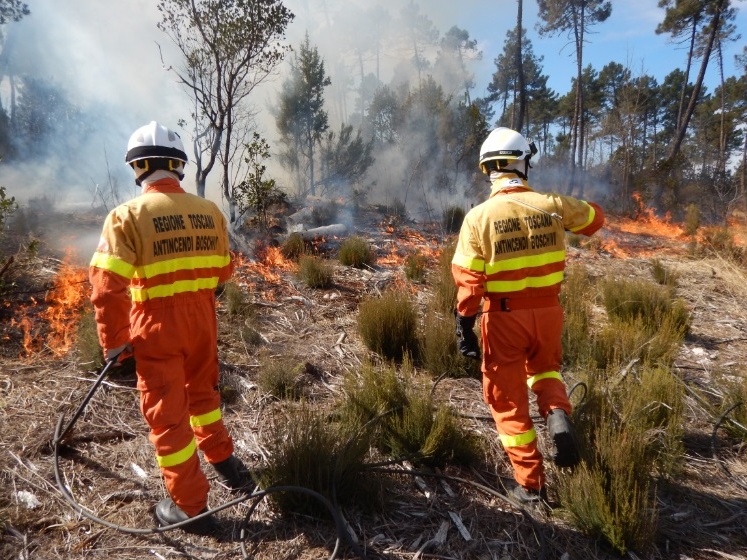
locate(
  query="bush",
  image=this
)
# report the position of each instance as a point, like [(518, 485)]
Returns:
[(663, 275), (388, 325), (314, 272), (403, 419), (452, 219), (280, 377), (311, 452), (87, 341), (294, 247), (324, 214), (576, 298), (415, 267), (356, 252)]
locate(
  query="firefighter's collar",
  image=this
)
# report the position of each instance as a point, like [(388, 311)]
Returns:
[(508, 182), (165, 185)]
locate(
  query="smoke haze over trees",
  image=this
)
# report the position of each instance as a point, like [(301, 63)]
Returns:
[(404, 110)]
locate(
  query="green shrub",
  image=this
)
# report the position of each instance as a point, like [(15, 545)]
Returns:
[(452, 219), (314, 272), (576, 297), (311, 452), (356, 252), (280, 377), (403, 418), (388, 325), (415, 267), (692, 220), (293, 247), (325, 213)]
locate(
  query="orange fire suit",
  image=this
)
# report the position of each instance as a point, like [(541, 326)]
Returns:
[(511, 254), (154, 274)]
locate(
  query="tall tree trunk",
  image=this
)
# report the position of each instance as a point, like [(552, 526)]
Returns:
[(520, 69), (688, 67), (682, 129)]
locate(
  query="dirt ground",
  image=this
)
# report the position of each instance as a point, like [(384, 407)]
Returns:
[(458, 513)]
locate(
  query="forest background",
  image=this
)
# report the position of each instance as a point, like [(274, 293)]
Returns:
[(392, 113)]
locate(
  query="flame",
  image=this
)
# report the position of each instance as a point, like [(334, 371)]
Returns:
[(647, 222), (263, 274), (65, 300), (52, 324)]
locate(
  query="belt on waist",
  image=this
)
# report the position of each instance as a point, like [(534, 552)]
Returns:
[(509, 304)]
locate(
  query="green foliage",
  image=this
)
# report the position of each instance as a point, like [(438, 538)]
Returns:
[(415, 267), (452, 219), (311, 452), (301, 118), (576, 297), (630, 430), (403, 418), (8, 205), (315, 272), (256, 192), (651, 303), (388, 325), (345, 159), (356, 251), (235, 300)]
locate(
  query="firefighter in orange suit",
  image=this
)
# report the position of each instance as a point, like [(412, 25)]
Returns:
[(510, 259), (154, 274)]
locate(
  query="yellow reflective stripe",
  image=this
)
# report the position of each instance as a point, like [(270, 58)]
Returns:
[(111, 263), (540, 376), (470, 263), (521, 439), (183, 263), (530, 261), (592, 214), (205, 419), (178, 457), (140, 294), (530, 282)]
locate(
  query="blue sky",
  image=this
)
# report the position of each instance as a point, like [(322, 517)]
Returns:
[(627, 37)]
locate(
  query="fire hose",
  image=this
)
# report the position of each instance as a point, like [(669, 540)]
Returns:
[(257, 495), (343, 531)]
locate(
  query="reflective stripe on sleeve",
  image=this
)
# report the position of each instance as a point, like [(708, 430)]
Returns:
[(470, 263), (540, 376), (178, 457), (205, 419), (517, 440), (111, 263), (592, 214)]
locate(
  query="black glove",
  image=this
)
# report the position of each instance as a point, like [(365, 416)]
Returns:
[(466, 338)]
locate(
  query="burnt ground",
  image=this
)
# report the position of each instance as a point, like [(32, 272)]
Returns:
[(459, 514)]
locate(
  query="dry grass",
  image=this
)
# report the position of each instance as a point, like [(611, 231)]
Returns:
[(699, 510)]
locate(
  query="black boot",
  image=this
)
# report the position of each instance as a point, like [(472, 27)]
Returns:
[(233, 473), (523, 496), (564, 448), (168, 513)]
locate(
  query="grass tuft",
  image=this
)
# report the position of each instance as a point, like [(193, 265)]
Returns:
[(388, 325), (314, 272), (356, 252)]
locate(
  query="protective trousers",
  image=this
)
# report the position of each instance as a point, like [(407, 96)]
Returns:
[(522, 347), (177, 367)]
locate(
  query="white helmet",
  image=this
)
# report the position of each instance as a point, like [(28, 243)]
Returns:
[(153, 147), (507, 148)]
